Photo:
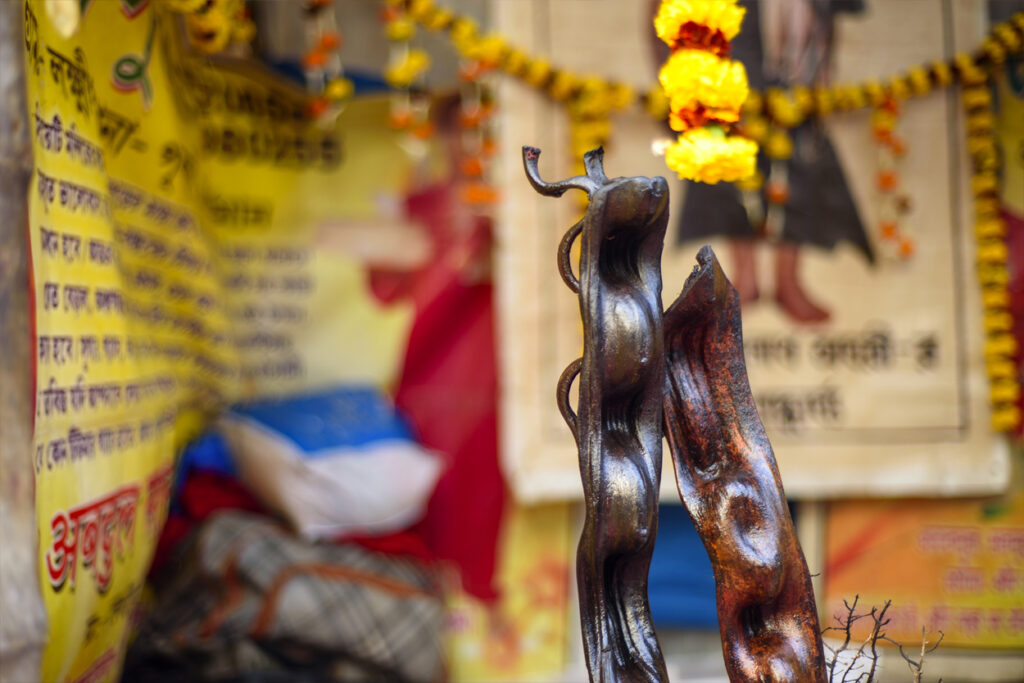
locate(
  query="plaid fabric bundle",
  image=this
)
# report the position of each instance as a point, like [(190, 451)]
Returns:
[(252, 602)]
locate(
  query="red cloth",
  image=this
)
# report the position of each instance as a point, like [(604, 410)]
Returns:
[(201, 494), (448, 386), (204, 493)]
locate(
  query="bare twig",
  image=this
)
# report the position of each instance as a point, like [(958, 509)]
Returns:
[(917, 666), (861, 664)]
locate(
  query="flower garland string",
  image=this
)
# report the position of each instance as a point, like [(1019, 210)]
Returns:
[(705, 90), (894, 205), (322, 63), (476, 108), (1001, 348), (410, 107)]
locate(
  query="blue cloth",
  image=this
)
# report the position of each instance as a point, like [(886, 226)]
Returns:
[(347, 417), (681, 584), (208, 452)]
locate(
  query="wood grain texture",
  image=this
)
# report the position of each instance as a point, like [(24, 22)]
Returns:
[(729, 482), (618, 427)]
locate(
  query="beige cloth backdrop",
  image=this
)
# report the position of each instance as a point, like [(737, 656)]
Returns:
[(896, 428)]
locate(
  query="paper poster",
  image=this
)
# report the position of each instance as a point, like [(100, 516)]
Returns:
[(179, 214), (523, 637), (867, 367), (950, 566)]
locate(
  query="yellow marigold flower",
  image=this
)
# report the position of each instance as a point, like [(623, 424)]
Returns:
[(400, 29), (920, 83), (562, 85), (977, 97), (779, 145), (970, 73), (824, 101), (402, 75), (993, 275), (692, 77), (339, 89), (991, 228), (1005, 391), (717, 15), (537, 71), (656, 103), (1009, 37), (419, 9), (515, 62), (984, 183), (439, 19), (755, 128), (621, 95), (995, 299), (783, 109), (943, 74), (980, 144), (981, 122), (994, 253), (1000, 345), (986, 207), (993, 50), (898, 87), (488, 49), (463, 28), (1005, 418), (709, 156), (751, 183), (1000, 369), (244, 31), (875, 93), (753, 104), (803, 99)]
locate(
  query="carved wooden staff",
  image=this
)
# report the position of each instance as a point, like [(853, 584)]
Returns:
[(730, 485), (725, 468), (622, 380)]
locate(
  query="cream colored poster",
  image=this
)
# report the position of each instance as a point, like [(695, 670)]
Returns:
[(864, 351)]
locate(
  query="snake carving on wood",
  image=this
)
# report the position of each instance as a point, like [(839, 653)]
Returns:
[(617, 429), (684, 372)]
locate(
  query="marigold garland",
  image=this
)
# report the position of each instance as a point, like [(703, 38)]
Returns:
[(703, 85), (1001, 348), (708, 155), (678, 22), (324, 72), (705, 90)]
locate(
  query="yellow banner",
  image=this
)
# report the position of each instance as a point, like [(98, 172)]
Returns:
[(175, 212)]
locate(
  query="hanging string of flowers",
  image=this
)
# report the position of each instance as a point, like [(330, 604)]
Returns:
[(1001, 349), (894, 205), (324, 73), (410, 111), (705, 90), (211, 25), (476, 141), (590, 100)]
